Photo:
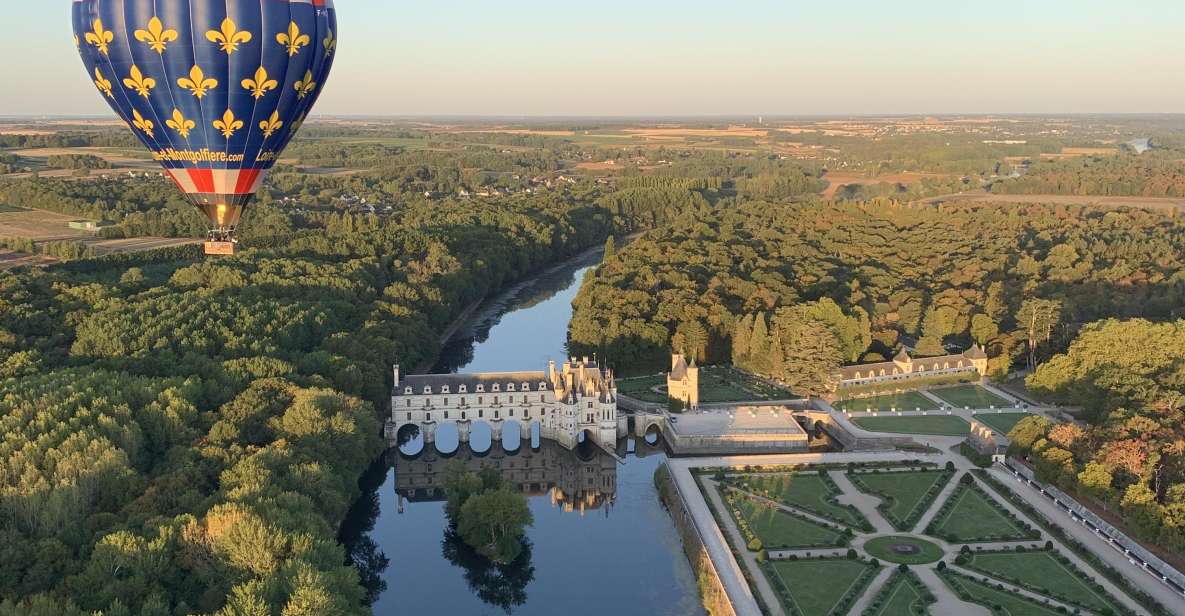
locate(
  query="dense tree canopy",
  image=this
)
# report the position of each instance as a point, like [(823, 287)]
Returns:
[(1028, 273)]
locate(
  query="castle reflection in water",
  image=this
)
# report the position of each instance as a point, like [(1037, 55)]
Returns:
[(579, 480)]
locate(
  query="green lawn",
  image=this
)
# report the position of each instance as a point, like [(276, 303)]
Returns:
[(972, 396), (726, 384), (640, 388), (779, 530), (972, 516), (905, 401), (1039, 568), (809, 492), (905, 496), (987, 596), (1000, 422), (942, 425), (817, 585), (882, 548), (902, 597)]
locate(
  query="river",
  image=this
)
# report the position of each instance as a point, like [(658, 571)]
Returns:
[(601, 542)]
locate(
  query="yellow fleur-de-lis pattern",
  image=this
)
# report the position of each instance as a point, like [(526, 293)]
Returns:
[(293, 39), (271, 125), (228, 36), (305, 86), (100, 37), (260, 84), (156, 35), (103, 83), (138, 82), (140, 122), (197, 82), (330, 44), (97, 44), (180, 124), (228, 124)]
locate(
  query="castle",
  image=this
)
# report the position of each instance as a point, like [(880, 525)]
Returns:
[(579, 398), (683, 381), (903, 367)]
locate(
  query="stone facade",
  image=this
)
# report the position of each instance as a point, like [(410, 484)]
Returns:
[(988, 442), (683, 381), (576, 398), (904, 367)]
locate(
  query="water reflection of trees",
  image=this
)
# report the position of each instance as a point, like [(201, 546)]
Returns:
[(500, 585), (361, 551)]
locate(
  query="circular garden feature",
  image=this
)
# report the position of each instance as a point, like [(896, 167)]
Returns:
[(903, 550)]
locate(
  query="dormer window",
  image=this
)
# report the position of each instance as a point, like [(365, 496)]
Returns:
[(497, 387), (481, 388), (526, 387), (463, 389), (427, 390), (444, 390), (510, 387), (542, 386), (407, 391)]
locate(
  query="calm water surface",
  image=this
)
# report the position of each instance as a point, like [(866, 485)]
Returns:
[(601, 543)]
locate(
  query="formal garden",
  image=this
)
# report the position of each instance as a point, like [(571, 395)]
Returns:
[(936, 425), (819, 541), (717, 384), (971, 397), (903, 401)]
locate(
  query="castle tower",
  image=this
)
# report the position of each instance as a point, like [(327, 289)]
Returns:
[(683, 381)]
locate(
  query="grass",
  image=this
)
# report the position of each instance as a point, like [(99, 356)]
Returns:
[(970, 516), (978, 592), (640, 388), (941, 425), (809, 492), (8, 209), (882, 548), (1041, 569), (971, 396), (902, 595), (816, 586), (779, 530), (1000, 422), (907, 401), (905, 496), (727, 384)]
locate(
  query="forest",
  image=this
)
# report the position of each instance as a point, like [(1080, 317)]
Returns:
[(1155, 174), (185, 436), (1129, 378), (832, 283)]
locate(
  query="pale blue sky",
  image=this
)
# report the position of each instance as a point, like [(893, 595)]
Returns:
[(692, 57)]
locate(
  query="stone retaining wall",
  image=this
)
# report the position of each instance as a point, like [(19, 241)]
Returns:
[(711, 589)]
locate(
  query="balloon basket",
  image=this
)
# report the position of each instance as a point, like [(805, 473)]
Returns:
[(221, 249)]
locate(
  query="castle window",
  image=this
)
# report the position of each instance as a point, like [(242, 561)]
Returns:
[(481, 388), (427, 390), (446, 414), (510, 387), (590, 405), (480, 398), (407, 391), (463, 389), (497, 415), (481, 414), (526, 387), (463, 415), (444, 390), (409, 402), (542, 386), (409, 416), (497, 387), (512, 412), (429, 416), (541, 398)]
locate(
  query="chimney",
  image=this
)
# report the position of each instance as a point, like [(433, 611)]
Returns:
[(396, 371)]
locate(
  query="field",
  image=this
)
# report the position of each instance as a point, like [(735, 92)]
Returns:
[(902, 597), (971, 516), (1041, 570), (42, 226), (1000, 422), (985, 595), (808, 492), (971, 396), (905, 496), (717, 384), (831, 579), (779, 530), (940, 425), (905, 401)]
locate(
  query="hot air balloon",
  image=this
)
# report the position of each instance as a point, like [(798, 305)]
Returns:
[(215, 88)]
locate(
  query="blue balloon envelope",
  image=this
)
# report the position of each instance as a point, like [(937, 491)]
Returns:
[(216, 89)]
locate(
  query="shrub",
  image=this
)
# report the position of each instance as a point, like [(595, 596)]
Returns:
[(754, 545), (852, 554)]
